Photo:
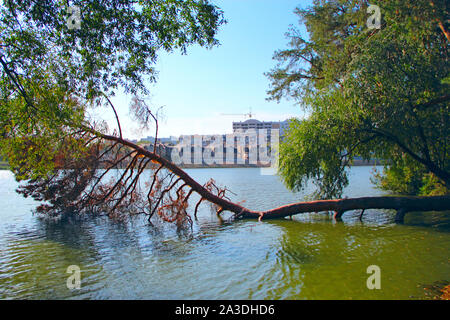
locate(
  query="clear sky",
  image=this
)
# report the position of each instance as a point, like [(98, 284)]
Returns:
[(195, 89)]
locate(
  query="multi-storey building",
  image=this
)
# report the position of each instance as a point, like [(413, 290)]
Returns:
[(250, 144), (256, 124)]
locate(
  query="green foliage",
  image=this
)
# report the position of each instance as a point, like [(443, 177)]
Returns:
[(410, 179), (370, 93), (432, 186), (32, 134), (404, 176), (117, 43), (50, 75)]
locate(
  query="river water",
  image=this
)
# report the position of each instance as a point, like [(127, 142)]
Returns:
[(311, 257)]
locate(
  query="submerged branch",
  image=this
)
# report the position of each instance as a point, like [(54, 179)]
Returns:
[(339, 206)]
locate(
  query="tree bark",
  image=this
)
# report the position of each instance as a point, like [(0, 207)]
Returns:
[(404, 204)]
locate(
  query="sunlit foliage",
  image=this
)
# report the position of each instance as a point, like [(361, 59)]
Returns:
[(375, 93)]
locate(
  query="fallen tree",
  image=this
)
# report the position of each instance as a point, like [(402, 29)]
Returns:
[(82, 187), (402, 204)]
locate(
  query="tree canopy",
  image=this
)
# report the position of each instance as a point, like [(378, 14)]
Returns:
[(375, 93), (51, 72)]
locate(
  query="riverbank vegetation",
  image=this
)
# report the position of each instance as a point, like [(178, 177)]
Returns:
[(370, 91)]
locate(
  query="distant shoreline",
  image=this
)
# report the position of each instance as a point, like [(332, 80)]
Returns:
[(356, 163)]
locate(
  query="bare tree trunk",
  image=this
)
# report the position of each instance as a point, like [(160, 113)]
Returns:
[(401, 204)]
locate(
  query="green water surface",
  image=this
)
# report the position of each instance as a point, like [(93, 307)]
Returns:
[(311, 257)]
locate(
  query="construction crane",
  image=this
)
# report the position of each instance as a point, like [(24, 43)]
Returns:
[(249, 114)]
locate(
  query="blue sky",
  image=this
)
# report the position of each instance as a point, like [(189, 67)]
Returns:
[(195, 89)]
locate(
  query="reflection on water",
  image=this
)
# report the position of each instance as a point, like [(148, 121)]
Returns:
[(309, 258)]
